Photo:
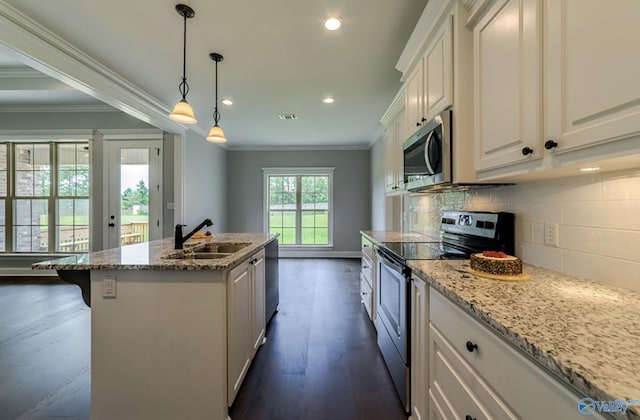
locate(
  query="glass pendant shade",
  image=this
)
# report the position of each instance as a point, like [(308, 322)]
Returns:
[(216, 135), (183, 113)]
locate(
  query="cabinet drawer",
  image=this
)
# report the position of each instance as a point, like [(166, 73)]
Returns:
[(457, 388), (519, 382), (366, 268), (366, 246), (366, 295)]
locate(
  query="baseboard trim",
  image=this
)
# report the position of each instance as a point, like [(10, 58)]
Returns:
[(283, 253)]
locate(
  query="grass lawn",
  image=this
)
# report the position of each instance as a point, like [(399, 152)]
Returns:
[(314, 229)]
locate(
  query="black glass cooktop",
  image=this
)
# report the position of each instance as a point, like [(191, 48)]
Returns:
[(423, 251)]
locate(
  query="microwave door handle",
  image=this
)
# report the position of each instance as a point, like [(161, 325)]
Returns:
[(426, 153)]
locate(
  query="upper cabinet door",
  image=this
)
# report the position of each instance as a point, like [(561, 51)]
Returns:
[(508, 89), (591, 71), (438, 73), (413, 101)]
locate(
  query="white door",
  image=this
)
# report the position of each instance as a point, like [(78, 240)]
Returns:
[(133, 192)]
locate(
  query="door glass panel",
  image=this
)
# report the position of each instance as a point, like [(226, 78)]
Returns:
[(134, 196)]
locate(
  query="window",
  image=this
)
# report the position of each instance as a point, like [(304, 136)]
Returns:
[(298, 205), (44, 197)]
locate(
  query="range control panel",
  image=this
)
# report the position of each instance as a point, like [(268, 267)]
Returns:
[(484, 224)]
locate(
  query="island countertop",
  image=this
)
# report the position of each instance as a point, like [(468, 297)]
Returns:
[(149, 255), (584, 332)]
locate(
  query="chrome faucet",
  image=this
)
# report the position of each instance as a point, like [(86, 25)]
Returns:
[(180, 240)]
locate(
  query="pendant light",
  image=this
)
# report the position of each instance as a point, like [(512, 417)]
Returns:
[(216, 135), (182, 112)]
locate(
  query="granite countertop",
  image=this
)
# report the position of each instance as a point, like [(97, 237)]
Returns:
[(394, 236), (149, 255), (586, 333)]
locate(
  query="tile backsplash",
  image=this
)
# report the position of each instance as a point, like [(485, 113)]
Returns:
[(598, 220)]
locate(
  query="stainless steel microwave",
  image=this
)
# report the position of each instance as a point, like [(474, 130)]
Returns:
[(427, 154)]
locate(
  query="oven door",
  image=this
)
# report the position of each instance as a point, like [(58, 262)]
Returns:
[(392, 322), (393, 301)]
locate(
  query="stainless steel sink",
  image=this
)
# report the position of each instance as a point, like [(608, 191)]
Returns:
[(223, 247), (209, 251), (202, 255)]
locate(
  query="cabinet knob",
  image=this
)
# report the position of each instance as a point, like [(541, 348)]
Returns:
[(365, 266), (469, 417), (471, 346), (112, 224), (550, 144), (423, 119), (527, 151), (418, 124)]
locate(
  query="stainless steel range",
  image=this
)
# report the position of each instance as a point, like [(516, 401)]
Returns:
[(463, 233)]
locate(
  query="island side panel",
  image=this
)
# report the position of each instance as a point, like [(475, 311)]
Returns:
[(158, 349)]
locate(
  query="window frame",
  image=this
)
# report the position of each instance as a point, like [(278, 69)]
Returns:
[(299, 172), (52, 139)]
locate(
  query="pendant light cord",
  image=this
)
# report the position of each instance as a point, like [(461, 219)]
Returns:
[(216, 114), (184, 87)]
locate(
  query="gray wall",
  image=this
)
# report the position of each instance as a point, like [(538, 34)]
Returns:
[(351, 191), (205, 183), (378, 195)]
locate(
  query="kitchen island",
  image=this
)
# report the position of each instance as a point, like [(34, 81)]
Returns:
[(172, 336)]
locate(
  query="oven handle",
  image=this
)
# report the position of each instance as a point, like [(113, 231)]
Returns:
[(392, 263)]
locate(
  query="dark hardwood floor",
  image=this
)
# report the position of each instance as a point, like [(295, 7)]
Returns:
[(45, 339), (320, 360)]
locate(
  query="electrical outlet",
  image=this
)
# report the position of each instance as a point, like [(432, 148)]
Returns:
[(109, 286), (551, 234)]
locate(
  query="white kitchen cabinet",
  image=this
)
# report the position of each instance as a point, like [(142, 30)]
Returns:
[(394, 123), (259, 303), (429, 86), (414, 96), (591, 72), (440, 49), (507, 80), (555, 87), (246, 319), (473, 372), (419, 349), (368, 284), (438, 72)]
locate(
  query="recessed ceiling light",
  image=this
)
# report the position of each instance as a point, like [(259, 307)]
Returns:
[(328, 100), (227, 101), (590, 169), (332, 23)]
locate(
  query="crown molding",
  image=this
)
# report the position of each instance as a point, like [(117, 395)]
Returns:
[(46, 52), (22, 73), (432, 16), (394, 109), (29, 109)]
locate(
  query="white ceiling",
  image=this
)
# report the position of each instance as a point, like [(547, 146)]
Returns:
[(278, 59)]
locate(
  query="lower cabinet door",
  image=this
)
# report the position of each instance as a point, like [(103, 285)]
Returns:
[(239, 323)]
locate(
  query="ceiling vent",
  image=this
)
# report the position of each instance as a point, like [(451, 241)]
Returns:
[(288, 116)]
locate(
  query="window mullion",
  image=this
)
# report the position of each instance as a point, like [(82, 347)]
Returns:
[(53, 191), (298, 209), (8, 228)]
